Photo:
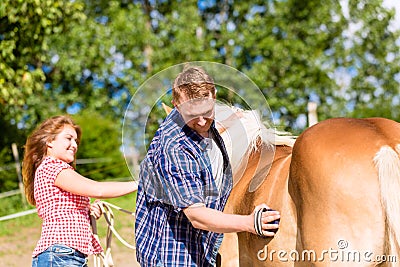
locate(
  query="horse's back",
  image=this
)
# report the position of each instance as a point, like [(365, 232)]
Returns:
[(340, 151), (355, 137), (335, 187)]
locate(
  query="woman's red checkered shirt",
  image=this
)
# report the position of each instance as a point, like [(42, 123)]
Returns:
[(65, 215)]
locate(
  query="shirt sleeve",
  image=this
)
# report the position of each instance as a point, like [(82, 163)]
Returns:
[(175, 179), (57, 166)]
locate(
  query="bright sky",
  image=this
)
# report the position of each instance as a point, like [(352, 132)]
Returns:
[(396, 5), (386, 3)]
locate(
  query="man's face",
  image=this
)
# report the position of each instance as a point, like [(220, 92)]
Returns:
[(198, 113)]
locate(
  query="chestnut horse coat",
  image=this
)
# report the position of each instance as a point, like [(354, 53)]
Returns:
[(338, 194)]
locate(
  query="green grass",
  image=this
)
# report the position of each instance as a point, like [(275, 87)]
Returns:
[(18, 237), (12, 204), (10, 226)]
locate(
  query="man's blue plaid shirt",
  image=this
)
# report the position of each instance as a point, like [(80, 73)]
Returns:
[(175, 174)]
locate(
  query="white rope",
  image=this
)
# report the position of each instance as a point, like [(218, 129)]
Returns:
[(104, 259)]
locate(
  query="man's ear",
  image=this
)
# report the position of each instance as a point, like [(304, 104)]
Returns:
[(176, 105)]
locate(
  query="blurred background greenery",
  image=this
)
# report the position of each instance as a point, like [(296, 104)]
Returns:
[(87, 58)]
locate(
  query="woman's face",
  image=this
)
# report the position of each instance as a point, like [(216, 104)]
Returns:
[(64, 146)]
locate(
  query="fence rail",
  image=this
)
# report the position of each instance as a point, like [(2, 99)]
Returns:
[(18, 214), (10, 193)]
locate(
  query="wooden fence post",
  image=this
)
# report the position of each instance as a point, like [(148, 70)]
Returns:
[(18, 169), (312, 113)]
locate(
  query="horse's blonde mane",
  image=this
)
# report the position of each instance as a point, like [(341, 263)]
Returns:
[(244, 132), (231, 118)]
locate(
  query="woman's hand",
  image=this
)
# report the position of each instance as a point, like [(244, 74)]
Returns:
[(95, 209)]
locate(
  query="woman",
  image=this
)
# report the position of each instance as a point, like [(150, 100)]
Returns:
[(61, 195)]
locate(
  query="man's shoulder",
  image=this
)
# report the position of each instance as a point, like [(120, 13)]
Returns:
[(169, 127), (168, 136), (166, 143)]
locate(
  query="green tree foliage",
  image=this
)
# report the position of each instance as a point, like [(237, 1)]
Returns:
[(97, 62), (290, 52), (374, 60), (101, 148), (25, 29), (8, 174), (301, 51)]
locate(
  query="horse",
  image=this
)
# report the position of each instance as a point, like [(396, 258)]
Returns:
[(344, 181), (337, 193)]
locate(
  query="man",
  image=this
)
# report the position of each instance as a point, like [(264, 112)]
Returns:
[(185, 181)]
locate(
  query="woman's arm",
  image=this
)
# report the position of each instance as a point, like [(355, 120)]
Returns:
[(71, 181), (212, 220)]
